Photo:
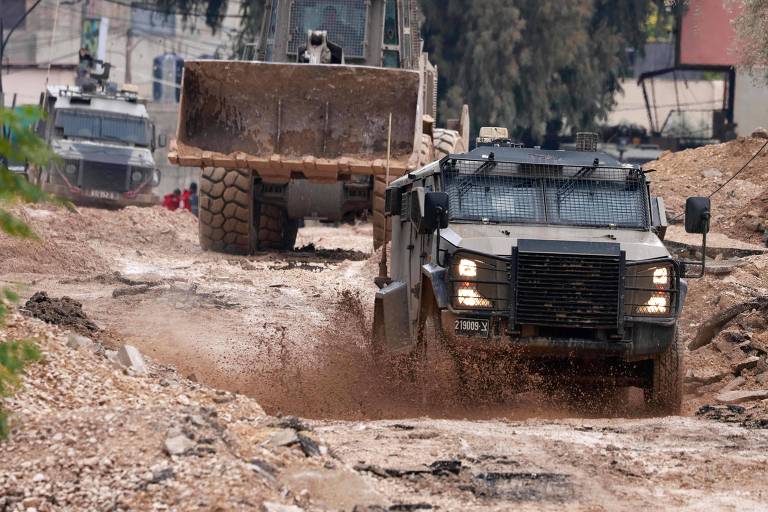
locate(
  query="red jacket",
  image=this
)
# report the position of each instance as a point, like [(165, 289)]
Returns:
[(171, 201), (185, 200)]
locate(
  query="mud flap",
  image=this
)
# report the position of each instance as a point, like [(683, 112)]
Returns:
[(390, 319), (437, 276)]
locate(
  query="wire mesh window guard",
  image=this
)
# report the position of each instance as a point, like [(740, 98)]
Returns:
[(486, 190), (344, 20)]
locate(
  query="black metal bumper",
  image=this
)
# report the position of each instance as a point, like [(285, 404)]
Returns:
[(642, 341)]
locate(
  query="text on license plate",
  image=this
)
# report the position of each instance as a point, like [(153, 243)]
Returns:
[(471, 327), (102, 194)]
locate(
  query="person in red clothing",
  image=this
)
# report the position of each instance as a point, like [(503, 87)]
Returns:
[(172, 201)]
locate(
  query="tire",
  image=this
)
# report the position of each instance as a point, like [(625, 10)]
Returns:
[(232, 222), (380, 188), (447, 142), (666, 394)]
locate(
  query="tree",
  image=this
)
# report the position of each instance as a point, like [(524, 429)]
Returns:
[(525, 64), (18, 143), (752, 35)]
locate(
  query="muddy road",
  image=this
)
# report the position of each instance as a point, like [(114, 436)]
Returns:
[(292, 329)]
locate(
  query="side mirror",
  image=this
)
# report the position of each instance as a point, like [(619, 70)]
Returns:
[(429, 210), (162, 140), (697, 215)]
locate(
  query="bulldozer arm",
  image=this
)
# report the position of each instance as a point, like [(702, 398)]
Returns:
[(289, 121)]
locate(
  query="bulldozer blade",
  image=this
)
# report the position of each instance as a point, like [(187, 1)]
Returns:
[(281, 120)]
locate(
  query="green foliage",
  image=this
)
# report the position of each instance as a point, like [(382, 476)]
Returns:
[(23, 146), (526, 63), (14, 355), (752, 35)]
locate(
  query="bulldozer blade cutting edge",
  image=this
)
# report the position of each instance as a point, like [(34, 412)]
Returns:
[(317, 121)]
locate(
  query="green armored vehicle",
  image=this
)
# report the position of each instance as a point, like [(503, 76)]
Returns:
[(557, 255)]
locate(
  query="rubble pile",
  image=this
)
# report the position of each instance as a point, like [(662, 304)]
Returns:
[(76, 242), (725, 325), (740, 208), (94, 429)]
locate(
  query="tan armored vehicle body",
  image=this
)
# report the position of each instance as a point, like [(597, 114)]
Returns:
[(555, 256)]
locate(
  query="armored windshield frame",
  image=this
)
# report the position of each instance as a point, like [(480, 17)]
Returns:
[(547, 188)]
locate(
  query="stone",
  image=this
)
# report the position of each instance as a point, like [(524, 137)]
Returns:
[(711, 173), (78, 342), (177, 443), (760, 133), (130, 357), (283, 437), (735, 383), (745, 364), (737, 397), (762, 378), (271, 506), (706, 376), (338, 489)]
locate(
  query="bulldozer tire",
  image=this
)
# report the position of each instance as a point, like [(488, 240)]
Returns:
[(380, 188), (232, 222), (666, 394), (447, 142)]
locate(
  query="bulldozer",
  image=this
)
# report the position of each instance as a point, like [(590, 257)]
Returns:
[(337, 99)]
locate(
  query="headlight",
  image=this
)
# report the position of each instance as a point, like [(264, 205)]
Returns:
[(136, 176), (661, 276), (650, 289), (70, 168), (468, 297), (467, 268), (479, 282), (155, 178)]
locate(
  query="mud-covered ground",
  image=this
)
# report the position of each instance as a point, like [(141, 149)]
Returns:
[(291, 330)]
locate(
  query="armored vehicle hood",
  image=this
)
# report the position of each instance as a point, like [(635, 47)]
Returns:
[(498, 239), (103, 153)]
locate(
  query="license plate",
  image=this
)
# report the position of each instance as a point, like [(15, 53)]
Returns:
[(471, 327), (102, 194)]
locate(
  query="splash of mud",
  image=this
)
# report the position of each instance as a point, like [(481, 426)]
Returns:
[(339, 378)]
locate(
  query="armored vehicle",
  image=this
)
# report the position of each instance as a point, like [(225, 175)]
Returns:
[(557, 255), (104, 141), (340, 97)]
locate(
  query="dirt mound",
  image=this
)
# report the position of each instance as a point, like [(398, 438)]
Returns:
[(702, 170), (64, 312)]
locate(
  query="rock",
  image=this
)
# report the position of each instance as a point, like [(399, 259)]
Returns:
[(711, 173), (332, 489), (735, 383), (745, 364), (283, 437), (271, 506), (130, 357), (760, 133), (77, 342), (177, 443), (706, 376), (737, 397), (762, 378)]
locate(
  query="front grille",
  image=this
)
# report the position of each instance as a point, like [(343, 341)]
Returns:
[(104, 176), (569, 284)]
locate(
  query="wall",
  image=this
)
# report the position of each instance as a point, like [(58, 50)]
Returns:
[(751, 110), (694, 95)]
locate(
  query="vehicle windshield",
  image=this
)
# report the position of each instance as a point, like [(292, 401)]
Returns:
[(103, 126), (344, 20), (487, 191)]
